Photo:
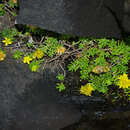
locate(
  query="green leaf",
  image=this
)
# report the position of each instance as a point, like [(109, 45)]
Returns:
[(93, 51), (103, 42), (74, 66), (100, 61), (50, 46), (60, 77), (17, 54), (30, 45), (60, 86), (101, 82), (34, 66)]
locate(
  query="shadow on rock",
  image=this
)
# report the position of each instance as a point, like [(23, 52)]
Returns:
[(29, 101)]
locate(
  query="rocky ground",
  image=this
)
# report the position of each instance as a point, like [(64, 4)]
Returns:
[(30, 101)]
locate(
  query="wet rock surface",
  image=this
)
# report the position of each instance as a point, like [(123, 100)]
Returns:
[(29, 101), (101, 18)]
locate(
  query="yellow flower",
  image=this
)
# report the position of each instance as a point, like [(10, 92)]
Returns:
[(61, 50), (2, 55), (123, 82), (7, 41), (86, 89), (27, 59), (38, 54)]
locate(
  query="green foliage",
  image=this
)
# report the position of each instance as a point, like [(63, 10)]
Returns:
[(101, 82), (75, 43), (93, 51), (34, 66), (74, 66), (8, 6), (2, 10), (119, 68), (60, 86), (100, 61), (60, 77), (83, 42), (110, 55), (12, 4), (30, 45), (10, 33), (82, 65), (103, 42), (50, 46), (17, 54)]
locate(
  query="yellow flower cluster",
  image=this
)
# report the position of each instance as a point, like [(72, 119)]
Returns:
[(86, 89), (38, 54), (123, 82), (61, 50), (27, 59), (2, 55), (7, 41)]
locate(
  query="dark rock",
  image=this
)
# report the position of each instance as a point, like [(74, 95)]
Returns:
[(105, 124), (127, 7), (98, 18), (126, 24), (30, 101), (5, 22), (126, 19)]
